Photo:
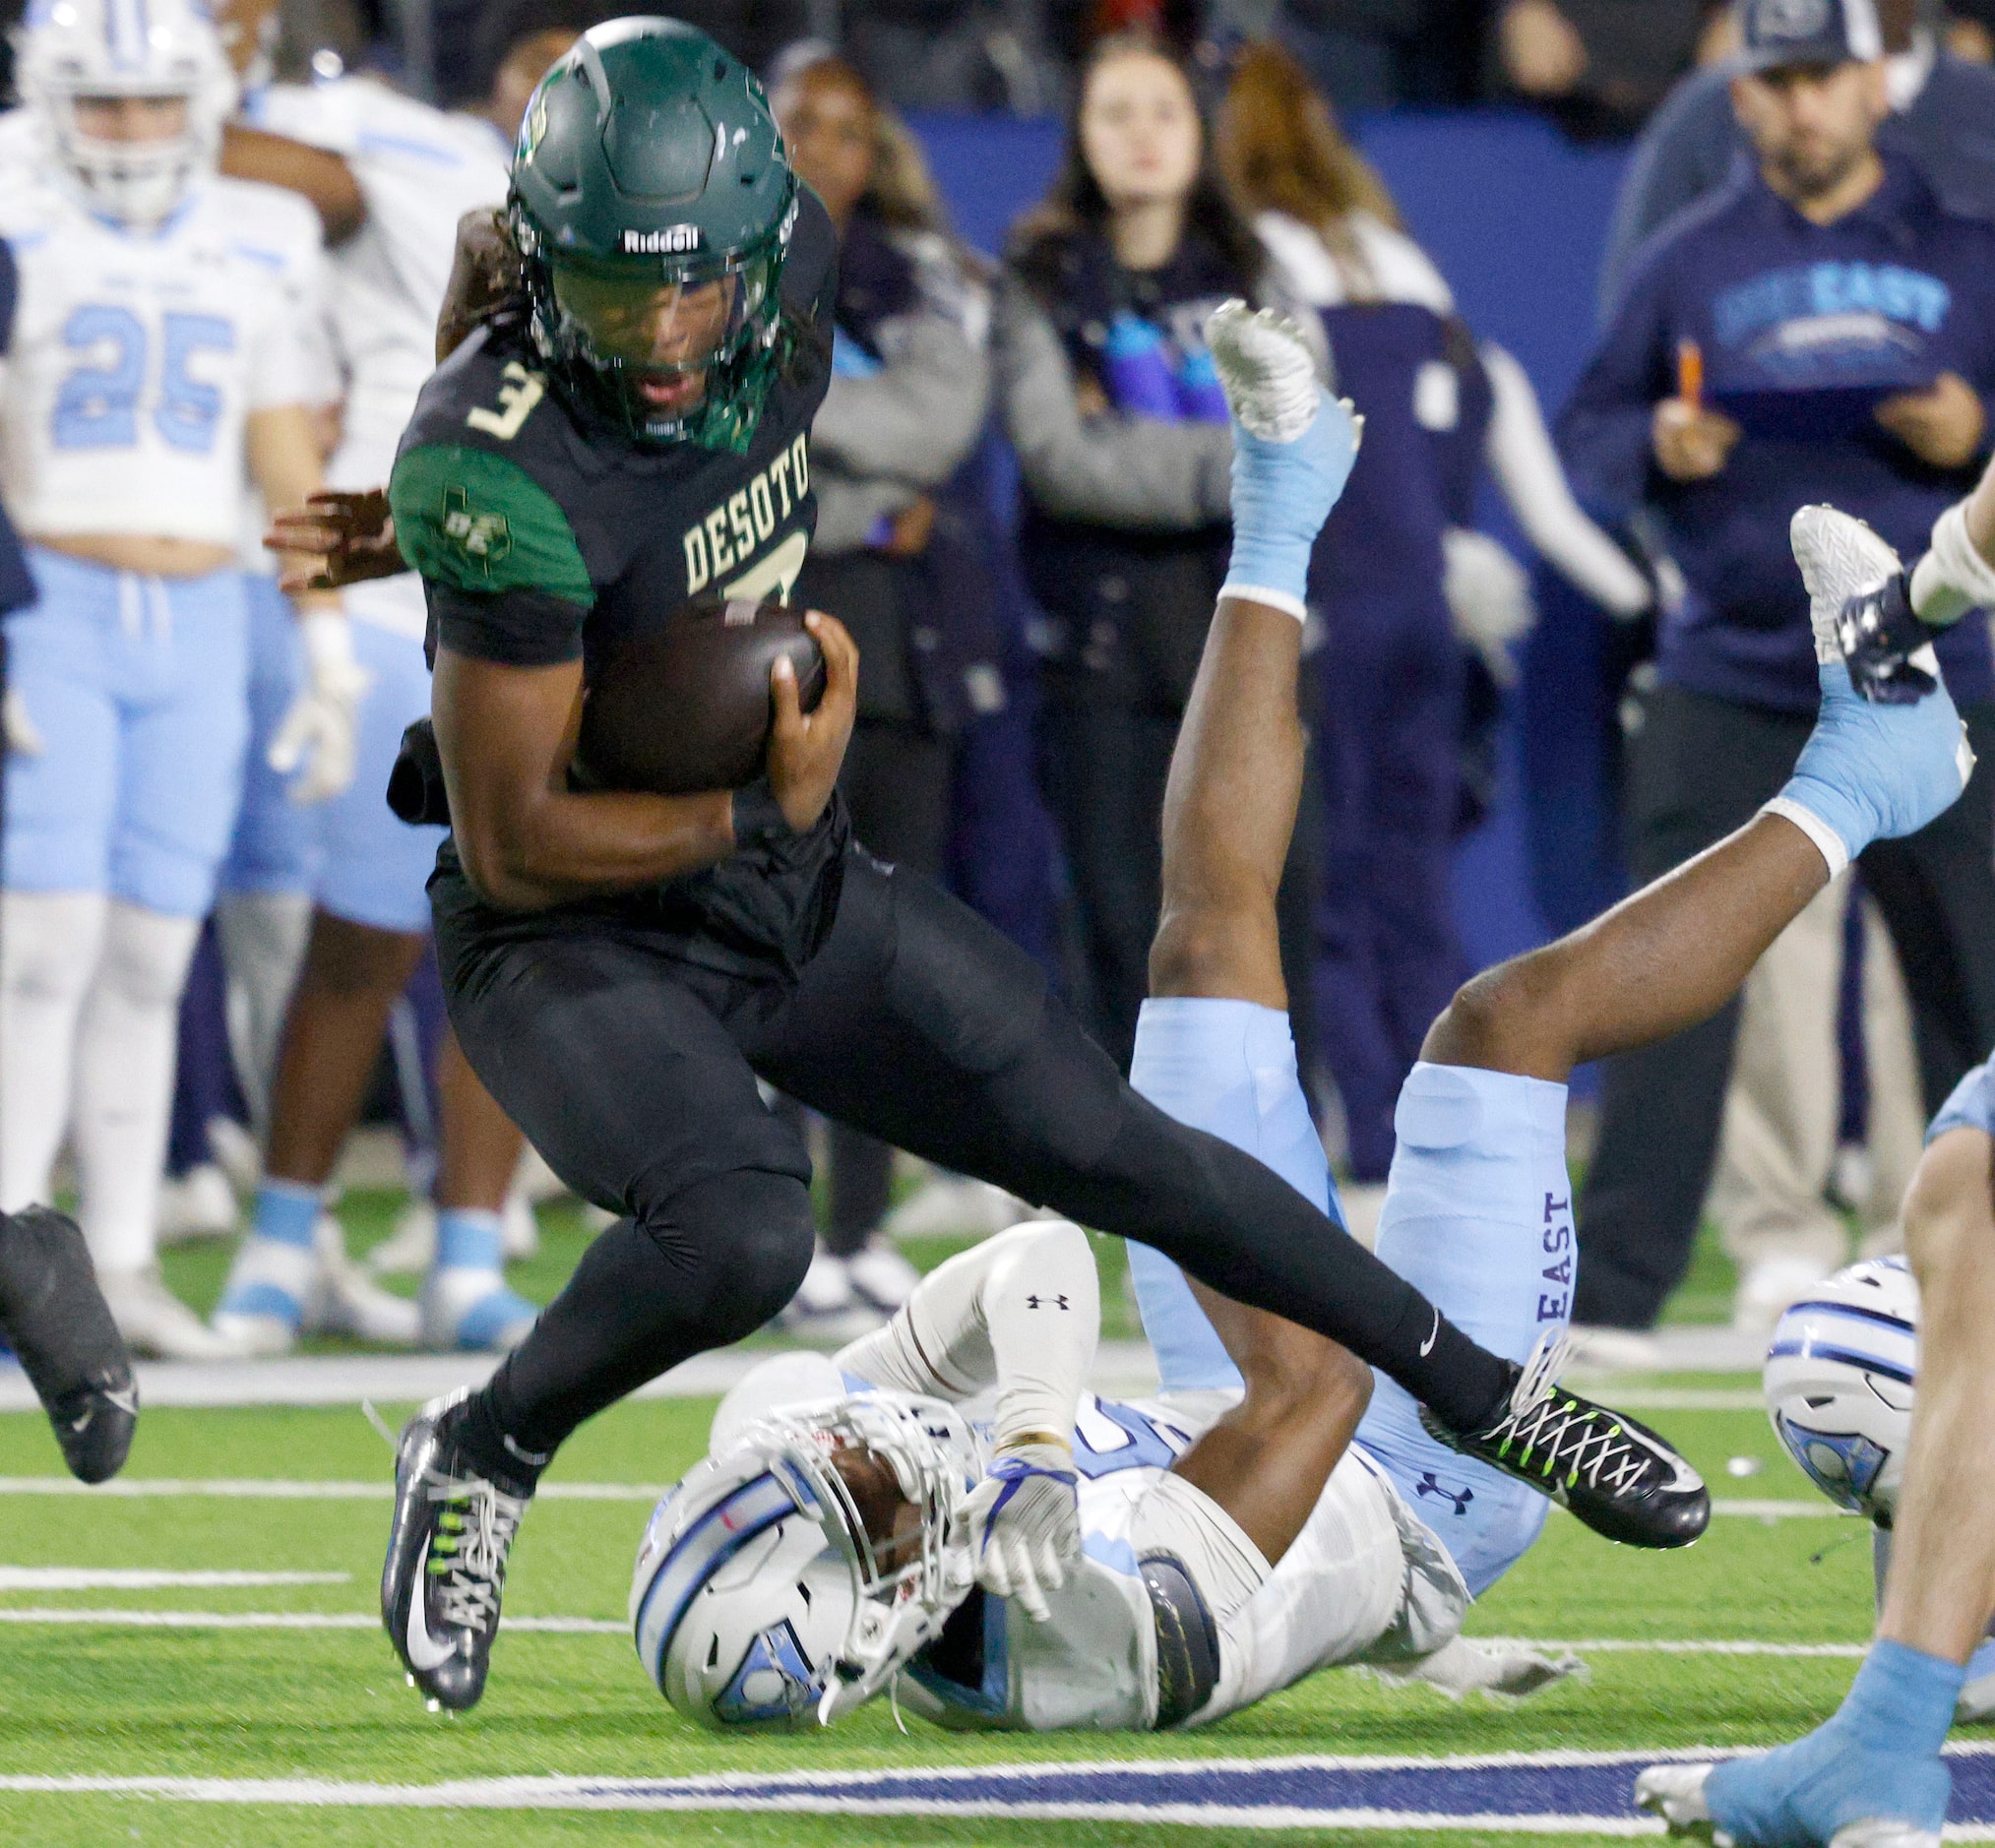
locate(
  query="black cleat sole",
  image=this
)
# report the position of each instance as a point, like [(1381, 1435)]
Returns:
[(56, 1319)]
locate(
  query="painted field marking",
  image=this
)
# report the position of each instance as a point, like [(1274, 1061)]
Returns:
[(611, 1627), (286, 1619), (1548, 1793), (282, 1489), (119, 1578)]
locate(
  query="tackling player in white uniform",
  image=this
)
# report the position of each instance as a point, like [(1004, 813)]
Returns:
[(826, 1550), (1110, 1593), (155, 354), (414, 172)]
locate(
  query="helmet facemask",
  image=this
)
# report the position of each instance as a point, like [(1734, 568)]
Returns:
[(75, 56), (875, 1484), (664, 348)]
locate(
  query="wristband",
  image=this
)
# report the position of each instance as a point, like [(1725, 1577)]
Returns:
[(1953, 577)]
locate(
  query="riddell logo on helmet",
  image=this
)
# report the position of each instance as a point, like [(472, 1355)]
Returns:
[(668, 242)]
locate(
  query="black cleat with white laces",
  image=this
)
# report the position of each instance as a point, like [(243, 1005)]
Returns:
[(446, 1567), (1885, 645), (1617, 1476), (59, 1327)]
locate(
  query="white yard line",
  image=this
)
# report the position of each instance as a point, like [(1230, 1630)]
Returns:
[(609, 1626), (283, 1620), (283, 1488), (118, 1578), (1197, 1791)]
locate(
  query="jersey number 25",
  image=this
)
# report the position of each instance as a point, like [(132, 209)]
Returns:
[(96, 406)]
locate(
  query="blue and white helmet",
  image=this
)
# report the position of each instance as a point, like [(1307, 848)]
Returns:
[(1839, 1383), (764, 1597), (72, 49)]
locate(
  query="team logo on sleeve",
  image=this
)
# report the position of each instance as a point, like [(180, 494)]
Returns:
[(484, 538)]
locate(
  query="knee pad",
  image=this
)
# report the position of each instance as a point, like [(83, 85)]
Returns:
[(146, 956), (50, 941), (740, 1240)]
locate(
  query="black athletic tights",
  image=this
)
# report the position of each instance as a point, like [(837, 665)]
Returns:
[(634, 1074)]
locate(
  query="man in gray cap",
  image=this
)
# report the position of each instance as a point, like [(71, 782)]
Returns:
[(1822, 328)]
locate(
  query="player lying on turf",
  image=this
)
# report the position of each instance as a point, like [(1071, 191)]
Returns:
[(1872, 1773), (622, 966), (839, 1536), (54, 1318), (1192, 1558)]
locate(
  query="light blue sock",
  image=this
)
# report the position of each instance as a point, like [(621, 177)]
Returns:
[(1478, 1218), (467, 1238), (287, 1211), (1878, 1756), (1874, 772), (1228, 1067)]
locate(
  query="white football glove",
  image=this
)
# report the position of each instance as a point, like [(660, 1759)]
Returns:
[(325, 717), (17, 728), (1488, 596), (1022, 1525)]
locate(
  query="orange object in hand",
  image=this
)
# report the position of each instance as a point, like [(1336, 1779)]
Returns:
[(1690, 373)]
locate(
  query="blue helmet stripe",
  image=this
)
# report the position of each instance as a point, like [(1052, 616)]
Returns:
[(702, 1550), (1883, 1317), (1823, 1350)]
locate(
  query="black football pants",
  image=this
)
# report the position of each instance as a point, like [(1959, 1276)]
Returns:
[(634, 1074)]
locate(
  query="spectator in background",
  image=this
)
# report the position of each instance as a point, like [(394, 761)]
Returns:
[(1847, 319), (1399, 581), (1596, 67), (910, 387), (1942, 117), (949, 54), (1782, 1124), (1365, 55), (1970, 30), (1110, 399)]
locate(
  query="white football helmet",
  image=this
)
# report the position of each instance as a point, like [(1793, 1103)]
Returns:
[(1839, 1383), (761, 1595), (71, 50)]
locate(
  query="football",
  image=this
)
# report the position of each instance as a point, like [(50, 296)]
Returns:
[(686, 705)]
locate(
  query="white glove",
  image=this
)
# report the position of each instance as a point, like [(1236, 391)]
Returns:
[(1022, 1525), (1488, 596), (1501, 1670), (17, 728), (325, 717)]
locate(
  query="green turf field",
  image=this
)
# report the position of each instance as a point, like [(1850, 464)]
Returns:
[(110, 1697)]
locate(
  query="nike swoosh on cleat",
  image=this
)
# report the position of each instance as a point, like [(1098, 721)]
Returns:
[(1433, 1336), (424, 1651), (126, 1401)]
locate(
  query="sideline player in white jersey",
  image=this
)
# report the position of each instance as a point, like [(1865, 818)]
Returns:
[(824, 1550), (155, 354), (412, 172)]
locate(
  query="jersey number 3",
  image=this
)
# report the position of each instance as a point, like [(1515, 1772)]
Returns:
[(96, 406), (517, 396)]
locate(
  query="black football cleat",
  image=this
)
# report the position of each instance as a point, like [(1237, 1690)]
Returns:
[(57, 1321), (446, 1567), (1881, 642), (1617, 1476)]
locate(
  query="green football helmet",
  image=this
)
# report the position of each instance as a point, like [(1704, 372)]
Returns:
[(653, 202)]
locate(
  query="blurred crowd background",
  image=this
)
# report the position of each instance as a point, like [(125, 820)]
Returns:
[(1023, 477)]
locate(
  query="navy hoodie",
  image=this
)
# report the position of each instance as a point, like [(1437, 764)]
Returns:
[(1886, 297)]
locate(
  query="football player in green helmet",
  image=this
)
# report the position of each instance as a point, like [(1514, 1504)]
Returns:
[(654, 210), (625, 429)]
